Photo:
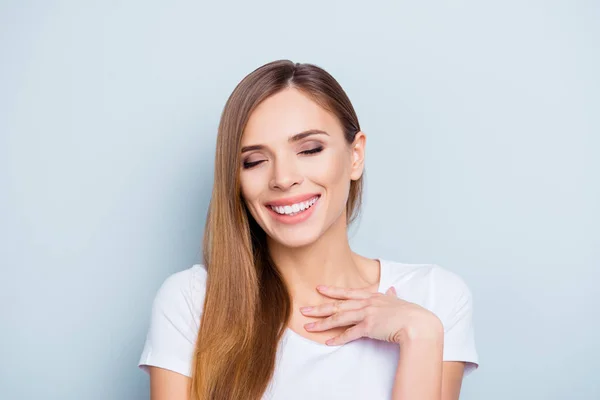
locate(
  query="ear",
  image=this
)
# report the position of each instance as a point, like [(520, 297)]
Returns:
[(358, 155)]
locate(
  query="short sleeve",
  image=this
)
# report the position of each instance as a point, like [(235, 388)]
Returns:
[(454, 302), (174, 322)]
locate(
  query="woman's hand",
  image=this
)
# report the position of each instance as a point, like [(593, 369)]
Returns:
[(374, 315)]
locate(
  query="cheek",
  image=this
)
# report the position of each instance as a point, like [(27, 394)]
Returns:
[(249, 189), (252, 188), (332, 170)]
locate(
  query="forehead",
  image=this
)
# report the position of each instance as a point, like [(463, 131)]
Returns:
[(286, 113)]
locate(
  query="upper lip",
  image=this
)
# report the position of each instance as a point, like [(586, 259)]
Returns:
[(288, 201)]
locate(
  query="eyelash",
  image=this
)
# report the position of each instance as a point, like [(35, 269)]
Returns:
[(319, 149), (312, 151)]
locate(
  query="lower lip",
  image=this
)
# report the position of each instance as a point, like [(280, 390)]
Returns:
[(294, 219)]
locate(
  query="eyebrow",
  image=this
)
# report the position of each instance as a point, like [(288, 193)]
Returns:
[(291, 139)]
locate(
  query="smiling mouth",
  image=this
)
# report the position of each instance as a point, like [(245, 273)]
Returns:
[(295, 209)]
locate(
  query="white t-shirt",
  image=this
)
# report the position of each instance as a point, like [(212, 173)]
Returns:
[(305, 369)]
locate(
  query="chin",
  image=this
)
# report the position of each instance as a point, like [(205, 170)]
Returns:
[(295, 239)]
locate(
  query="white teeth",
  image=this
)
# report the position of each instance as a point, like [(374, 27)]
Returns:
[(294, 208)]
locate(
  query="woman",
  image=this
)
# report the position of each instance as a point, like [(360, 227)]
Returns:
[(254, 321)]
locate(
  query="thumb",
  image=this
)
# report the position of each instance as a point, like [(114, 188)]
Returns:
[(391, 290)]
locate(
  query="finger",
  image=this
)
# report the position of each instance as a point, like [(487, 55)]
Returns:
[(336, 292), (350, 334), (391, 290), (344, 318), (327, 309)]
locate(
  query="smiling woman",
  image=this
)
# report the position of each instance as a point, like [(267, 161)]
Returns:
[(281, 307)]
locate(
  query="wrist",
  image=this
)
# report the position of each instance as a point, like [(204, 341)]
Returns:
[(429, 330)]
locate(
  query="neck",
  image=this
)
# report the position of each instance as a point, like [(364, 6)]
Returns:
[(328, 261)]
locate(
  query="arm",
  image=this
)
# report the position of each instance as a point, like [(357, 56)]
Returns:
[(452, 379), (168, 385), (421, 373), (425, 341)]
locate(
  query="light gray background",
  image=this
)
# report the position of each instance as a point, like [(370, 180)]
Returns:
[(482, 120)]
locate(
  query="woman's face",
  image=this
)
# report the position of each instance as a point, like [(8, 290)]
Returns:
[(297, 167)]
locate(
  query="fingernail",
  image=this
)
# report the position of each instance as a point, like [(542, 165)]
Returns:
[(311, 325), (321, 287), (305, 309)]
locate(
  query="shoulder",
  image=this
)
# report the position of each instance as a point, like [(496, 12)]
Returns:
[(175, 320), (189, 283), (183, 292), (429, 285)]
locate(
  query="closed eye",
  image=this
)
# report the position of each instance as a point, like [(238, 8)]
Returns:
[(248, 165), (252, 164), (313, 151)]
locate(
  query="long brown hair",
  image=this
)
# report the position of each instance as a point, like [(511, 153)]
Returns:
[(247, 304)]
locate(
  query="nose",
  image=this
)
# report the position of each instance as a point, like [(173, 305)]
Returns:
[(285, 174)]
